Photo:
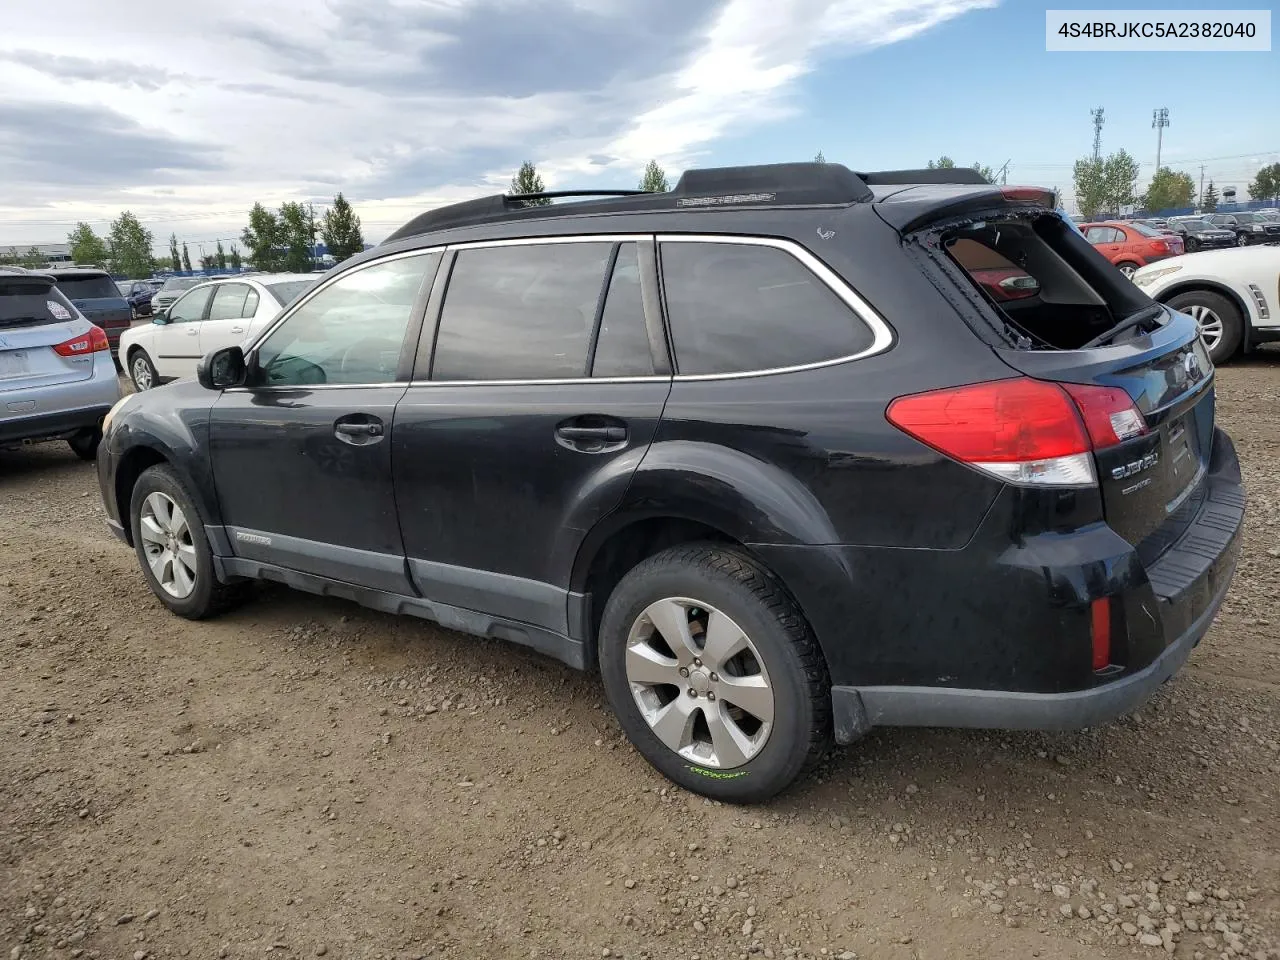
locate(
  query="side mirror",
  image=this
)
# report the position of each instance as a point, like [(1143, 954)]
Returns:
[(222, 368), (160, 316)]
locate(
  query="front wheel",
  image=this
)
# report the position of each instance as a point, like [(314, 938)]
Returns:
[(1192, 244), (169, 539), (1220, 322), (714, 674), (1128, 268), (142, 371), (1241, 240)]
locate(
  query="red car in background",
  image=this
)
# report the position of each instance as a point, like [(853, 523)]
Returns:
[(1131, 245)]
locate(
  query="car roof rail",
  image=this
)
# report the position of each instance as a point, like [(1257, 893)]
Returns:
[(934, 175), (775, 184)]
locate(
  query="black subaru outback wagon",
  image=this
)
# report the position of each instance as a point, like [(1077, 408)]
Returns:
[(788, 452)]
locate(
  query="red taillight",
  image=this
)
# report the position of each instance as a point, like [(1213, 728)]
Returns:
[(1021, 430), (91, 342), (1159, 246), (1100, 622)]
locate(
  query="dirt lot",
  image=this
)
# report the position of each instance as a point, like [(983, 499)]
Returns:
[(307, 778)]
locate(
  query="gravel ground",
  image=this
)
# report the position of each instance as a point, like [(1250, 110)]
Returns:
[(307, 778)]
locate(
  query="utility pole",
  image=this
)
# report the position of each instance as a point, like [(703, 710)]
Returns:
[(1003, 173), (1159, 120), (1098, 121), (1200, 198)]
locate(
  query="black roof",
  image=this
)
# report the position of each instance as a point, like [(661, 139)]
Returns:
[(776, 184)]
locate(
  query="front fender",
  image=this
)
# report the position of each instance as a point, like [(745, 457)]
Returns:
[(173, 423)]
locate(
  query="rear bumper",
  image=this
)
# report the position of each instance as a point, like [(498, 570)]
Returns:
[(51, 426), (1184, 589)]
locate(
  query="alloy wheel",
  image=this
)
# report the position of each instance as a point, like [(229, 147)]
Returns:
[(166, 540), (1210, 325), (141, 373), (699, 682), (1128, 270)]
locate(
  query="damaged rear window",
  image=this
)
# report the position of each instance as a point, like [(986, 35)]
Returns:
[(1051, 288)]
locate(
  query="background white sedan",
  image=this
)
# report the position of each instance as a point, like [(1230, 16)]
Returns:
[(220, 313), (1234, 295)]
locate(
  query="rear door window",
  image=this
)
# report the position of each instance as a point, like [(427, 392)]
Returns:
[(228, 301), (520, 312), (742, 307), (622, 346), (27, 304)]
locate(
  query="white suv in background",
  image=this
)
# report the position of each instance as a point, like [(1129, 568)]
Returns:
[(1234, 295), (209, 316)]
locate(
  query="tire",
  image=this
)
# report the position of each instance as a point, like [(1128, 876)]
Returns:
[(142, 371), (206, 597), (1241, 240), (85, 443), (781, 655), (1214, 313), (1192, 244), (1127, 267)]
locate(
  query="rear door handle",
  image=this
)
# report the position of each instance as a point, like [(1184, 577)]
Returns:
[(237, 329), (193, 331)]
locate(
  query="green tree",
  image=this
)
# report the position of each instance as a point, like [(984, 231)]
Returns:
[(1266, 183), (1090, 184), (186, 258), (527, 180), (1209, 202), (340, 230), (1120, 174), (1168, 189), (986, 172), (87, 246), (220, 257), (654, 179), (130, 244), (209, 261), (819, 157), (262, 238), (235, 257), (175, 259), (942, 163), (32, 259), (297, 236)]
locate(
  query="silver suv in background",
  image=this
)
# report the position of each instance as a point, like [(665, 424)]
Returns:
[(57, 376)]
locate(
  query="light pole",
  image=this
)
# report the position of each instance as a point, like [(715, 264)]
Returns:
[(1159, 120)]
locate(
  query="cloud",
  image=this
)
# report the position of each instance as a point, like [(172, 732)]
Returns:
[(115, 72), (49, 144), (403, 104)]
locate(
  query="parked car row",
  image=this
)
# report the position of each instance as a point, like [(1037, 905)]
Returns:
[(788, 453)]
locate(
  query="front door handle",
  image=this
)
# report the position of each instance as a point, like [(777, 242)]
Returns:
[(237, 329), (593, 434), (359, 430), (193, 331)]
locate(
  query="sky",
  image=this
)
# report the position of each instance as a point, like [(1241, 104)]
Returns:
[(186, 114)]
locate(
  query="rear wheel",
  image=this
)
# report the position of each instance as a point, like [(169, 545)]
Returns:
[(85, 443), (142, 371), (1192, 244), (714, 674), (1221, 325), (169, 539), (1127, 267)]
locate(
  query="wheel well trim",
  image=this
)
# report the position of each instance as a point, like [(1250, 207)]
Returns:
[(1191, 285), (159, 453)]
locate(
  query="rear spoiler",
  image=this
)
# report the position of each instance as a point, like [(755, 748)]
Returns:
[(916, 207), (965, 175)]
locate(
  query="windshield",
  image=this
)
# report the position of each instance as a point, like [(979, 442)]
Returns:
[(287, 291), (181, 283), (1146, 231), (92, 287), (1248, 218)]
